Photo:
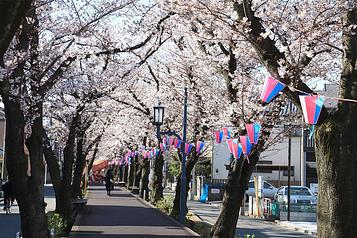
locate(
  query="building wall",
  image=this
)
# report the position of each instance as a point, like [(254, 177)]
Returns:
[(277, 154), (220, 158)]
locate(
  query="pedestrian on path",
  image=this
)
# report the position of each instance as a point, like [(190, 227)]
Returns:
[(8, 196), (109, 181)]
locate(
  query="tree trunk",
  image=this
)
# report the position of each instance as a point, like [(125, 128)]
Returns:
[(336, 153), (237, 183), (157, 189), (190, 163), (137, 175), (125, 174), (64, 206), (28, 190), (130, 174), (336, 149), (80, 163), (144, 184), (12, 14)]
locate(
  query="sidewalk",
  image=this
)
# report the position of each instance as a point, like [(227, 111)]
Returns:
[(10, 223), (306, 227), (124, 215)]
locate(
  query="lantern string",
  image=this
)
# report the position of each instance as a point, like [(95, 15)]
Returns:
[(327, 97)]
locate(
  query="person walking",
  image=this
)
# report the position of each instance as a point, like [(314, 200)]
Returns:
[(109, 182), (8, 197)]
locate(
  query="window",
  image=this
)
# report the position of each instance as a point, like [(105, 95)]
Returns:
[(285, 171), (267, 185), (251, 184), (300, 191), (310, 156)]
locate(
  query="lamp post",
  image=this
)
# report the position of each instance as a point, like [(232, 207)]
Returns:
[(158, 121), (158, 118), (183, 165)]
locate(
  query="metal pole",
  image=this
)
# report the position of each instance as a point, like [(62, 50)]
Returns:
[(183, 165), (289, 170)]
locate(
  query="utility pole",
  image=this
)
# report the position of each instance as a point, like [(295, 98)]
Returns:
[(183, 165), (289, 171)]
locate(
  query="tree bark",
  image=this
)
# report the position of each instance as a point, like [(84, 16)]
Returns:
[(190, 163), (137, 175), (36, 180), (28, 190), (144, 184), (125, 174), (12, 13), (336, 149), (80, 163), (157, 189), (131, 171)]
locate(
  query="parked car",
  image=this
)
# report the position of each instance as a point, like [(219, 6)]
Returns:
[(298, 195), (268, 189)]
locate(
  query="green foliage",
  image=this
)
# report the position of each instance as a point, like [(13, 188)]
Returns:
[(203, 169), (166, 204), (55, 222), (202, 228), (174, 168)]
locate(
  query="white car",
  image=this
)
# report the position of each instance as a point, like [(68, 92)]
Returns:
[(298, 195), (268, 189)]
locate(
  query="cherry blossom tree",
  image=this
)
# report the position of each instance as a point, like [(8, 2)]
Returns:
[(296, 42)]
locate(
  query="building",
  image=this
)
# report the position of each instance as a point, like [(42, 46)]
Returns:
[(273, 163)]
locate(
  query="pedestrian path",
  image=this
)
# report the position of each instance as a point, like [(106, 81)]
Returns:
[(123, 215)]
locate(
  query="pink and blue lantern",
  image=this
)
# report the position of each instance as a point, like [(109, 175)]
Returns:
[(272, 88), (311, 108), (218, 136), (246, 145), (199, 146), (226, 133), (162, 147), (171, 141), (230, 145), (188, 148), (253, 131), (177, 143), (237, 149)]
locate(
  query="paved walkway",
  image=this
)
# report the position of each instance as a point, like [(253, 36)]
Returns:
[(123, 215)]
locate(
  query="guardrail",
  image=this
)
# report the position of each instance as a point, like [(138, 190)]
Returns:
[(272, 210)]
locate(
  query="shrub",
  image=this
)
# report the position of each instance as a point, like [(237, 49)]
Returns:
[(55, 222), (166, 204)]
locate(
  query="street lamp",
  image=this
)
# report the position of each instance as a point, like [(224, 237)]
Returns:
[(158, 121), (158, 118)]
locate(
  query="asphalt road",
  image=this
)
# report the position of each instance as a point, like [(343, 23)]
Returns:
[(246, 225)]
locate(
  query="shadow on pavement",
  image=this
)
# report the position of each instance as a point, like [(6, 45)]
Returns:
[(120, 195), (106, 215), (95, 235)]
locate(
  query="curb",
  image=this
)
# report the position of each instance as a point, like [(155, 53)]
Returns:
[(164, 214), (309, 232)]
